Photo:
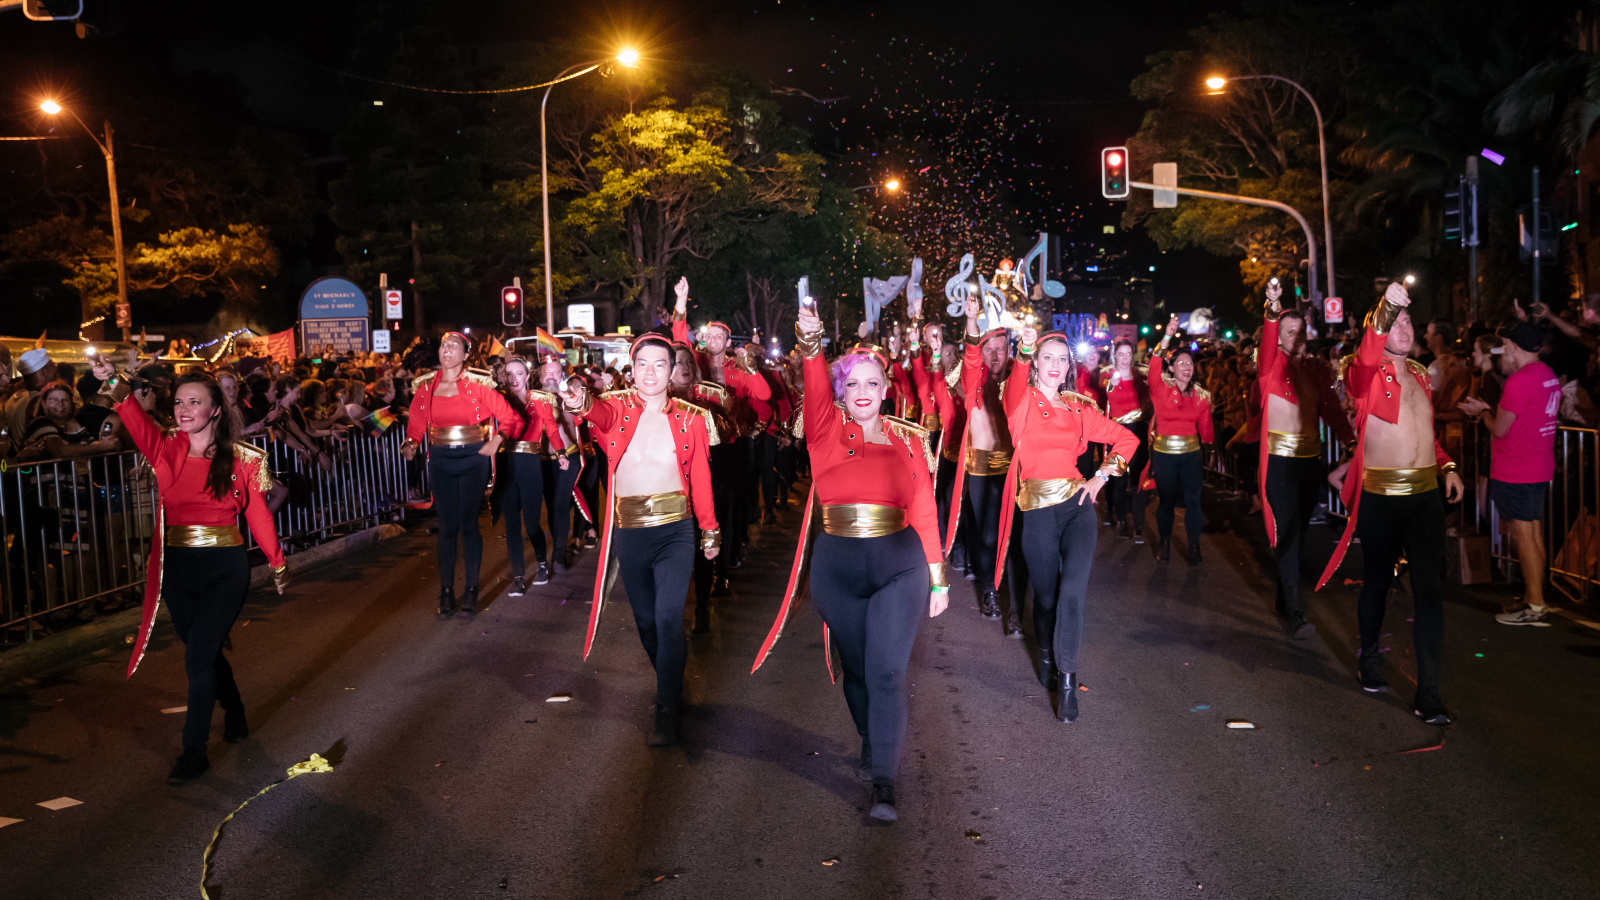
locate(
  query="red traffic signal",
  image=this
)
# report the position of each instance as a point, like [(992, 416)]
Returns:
[(1114, 173), (511, 307)]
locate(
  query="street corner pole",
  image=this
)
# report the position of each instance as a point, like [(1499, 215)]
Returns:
[(116, 232)]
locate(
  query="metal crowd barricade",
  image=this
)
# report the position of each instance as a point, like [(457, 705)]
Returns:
[(77, 532)]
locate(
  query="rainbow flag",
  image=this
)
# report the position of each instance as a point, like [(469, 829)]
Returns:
[(550, 345), (379, 421)]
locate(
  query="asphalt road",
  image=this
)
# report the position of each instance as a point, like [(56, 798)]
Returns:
[(456, 778)]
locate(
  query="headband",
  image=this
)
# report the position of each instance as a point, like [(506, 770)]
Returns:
[(466, 343), (1052, 336), (722, 325), (993, 332), (873, 352), (655, 339)]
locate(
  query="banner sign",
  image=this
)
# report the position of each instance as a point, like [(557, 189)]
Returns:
[(343, 335), (333, 298)]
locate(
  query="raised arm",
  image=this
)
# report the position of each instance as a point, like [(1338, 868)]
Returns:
[(819, 417), (1369, 356), (146, 434)]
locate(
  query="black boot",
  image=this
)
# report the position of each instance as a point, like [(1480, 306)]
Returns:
[(447, 602), (702, 618), (883, 802), (864, 769), (1067, 684), (1195, 558), (1047, 669), (989, 605), (666, 730), (469, 603), (1013, 627), (191, 765), (1121, 529), (1164, 549), (234, 727)]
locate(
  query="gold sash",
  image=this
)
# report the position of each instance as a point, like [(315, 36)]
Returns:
[(987, 462), (1039, 493), (1128, 418), (458, 435), (930, 421), (204, 536), (1294, 446), (1400, 482), (862, 520), (524, 447), (647, 511), (1174, 443)]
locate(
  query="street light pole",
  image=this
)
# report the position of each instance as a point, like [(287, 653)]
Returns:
[(107, 148), (544, 197), (1322, 147)]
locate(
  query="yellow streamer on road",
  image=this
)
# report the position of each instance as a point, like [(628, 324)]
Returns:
[(315, 764)]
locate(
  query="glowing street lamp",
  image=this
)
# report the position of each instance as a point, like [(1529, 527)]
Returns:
[(107, 149), (627, 57), (892, 185)]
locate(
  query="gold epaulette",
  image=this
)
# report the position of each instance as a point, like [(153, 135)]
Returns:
[(1344, 366), (618, 394), (952, 377), (250, 453), (712, 437), (479, 376), (715, 390), (1201, 392), (543, 397), (1416, 367), (1076, 397), (913, 434), (420, 380)]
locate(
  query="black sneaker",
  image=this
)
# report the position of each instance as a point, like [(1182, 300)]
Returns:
[(191, 765), (1138, 534), (541, 575), (447, 602), (1370, 674), (702, 620), (665, 733), (1013, 626), (469, 603), (1430, 709), (864, 767), (235, 729), (883, 803), (989, 605), (517, 587), (1298, 627)]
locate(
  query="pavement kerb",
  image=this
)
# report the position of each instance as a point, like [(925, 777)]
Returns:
[(117, 630)]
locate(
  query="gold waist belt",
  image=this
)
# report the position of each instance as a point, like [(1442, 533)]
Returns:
[(987, 462), (1039, 493), (862, 520), (1295, 446), (204, 536), (1400, 482), (1128, 418), (930, 421), (648, 511), (524, 447), (1174, 443), (457, 435)]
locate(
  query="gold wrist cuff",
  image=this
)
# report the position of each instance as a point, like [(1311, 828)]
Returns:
[(711, 539), (973, 340), (1115, 464), (679, 317), (810, 344), (936, 576), (1382, 317), (1447, 468), (1272, 315), (118, 387)]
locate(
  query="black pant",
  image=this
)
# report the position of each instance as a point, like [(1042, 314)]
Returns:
[(1058, 544), (873, 593), (764, 450), (725, 468), (1126, 497), (943, 486), (788, 459), (1292, 488), (655, 564), (459, 476), (1413, 525), (204, 589), (594, 471), (521, 496), (1178, 478), (984, 496), (558, 483)]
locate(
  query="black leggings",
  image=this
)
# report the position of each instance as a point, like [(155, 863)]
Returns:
[(724, 487), (521, 496), (873, 593), (1178, 478), (589, 483), (1413, 525), (764, 450), (943, 485), (1125, 494), (1058, 544), (558, 484), (204, 589), (984, 495), (1292, 488), (459, 476), (655, 564)]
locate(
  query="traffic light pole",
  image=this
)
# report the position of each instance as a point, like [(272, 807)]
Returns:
[(1311, 239), (1537, 235)]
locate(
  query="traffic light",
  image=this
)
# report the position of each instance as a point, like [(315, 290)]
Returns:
[(511, 307), (1114, 173), (1452, 213)]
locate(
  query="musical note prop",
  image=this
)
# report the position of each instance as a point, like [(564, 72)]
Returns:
[(914, 289), (880, 293), (1039, 254), (957, 288)]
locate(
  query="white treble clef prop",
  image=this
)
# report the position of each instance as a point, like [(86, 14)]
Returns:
[(957, 288)]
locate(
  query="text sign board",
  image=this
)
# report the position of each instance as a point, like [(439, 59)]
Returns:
[(380, 341), (343, 335), (391, 305), (580, 317), (333, 298), (1333, 310)]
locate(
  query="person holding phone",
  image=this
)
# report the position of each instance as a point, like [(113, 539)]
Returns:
[(198, 563), (1181, 426), (877, 567)]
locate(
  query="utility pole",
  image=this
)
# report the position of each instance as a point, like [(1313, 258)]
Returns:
[(1469, 236), (1535, 228), (116, 232)]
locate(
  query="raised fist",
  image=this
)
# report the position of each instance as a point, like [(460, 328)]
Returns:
[(1397, 295)]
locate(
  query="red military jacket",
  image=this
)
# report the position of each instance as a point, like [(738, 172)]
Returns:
[(1049, 440), (974, 381), (1370, 381), (751, 393), (183, 503), (1174, 413), (1126, 401), (613, 419), (475, 386), (713, 398), (1275, 376), (934, 399), (904, 393), (1089, 386), (537, 420)]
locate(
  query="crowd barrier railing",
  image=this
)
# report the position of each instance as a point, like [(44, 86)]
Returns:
[(78, 531)]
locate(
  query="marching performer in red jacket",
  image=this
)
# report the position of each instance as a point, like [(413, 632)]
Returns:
[(710, 575), (1295, 390), (1392, 493), (877, 568), (1181, 426), (657, 450), (1052, 427), (522, 489), (197, 559), (1126, 396), (939, 417), (461, 416)]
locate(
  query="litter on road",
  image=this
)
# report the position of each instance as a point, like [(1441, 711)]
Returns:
[(1240, 723), (558, 698), (5, 821), (61, 803), (175, 709)]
